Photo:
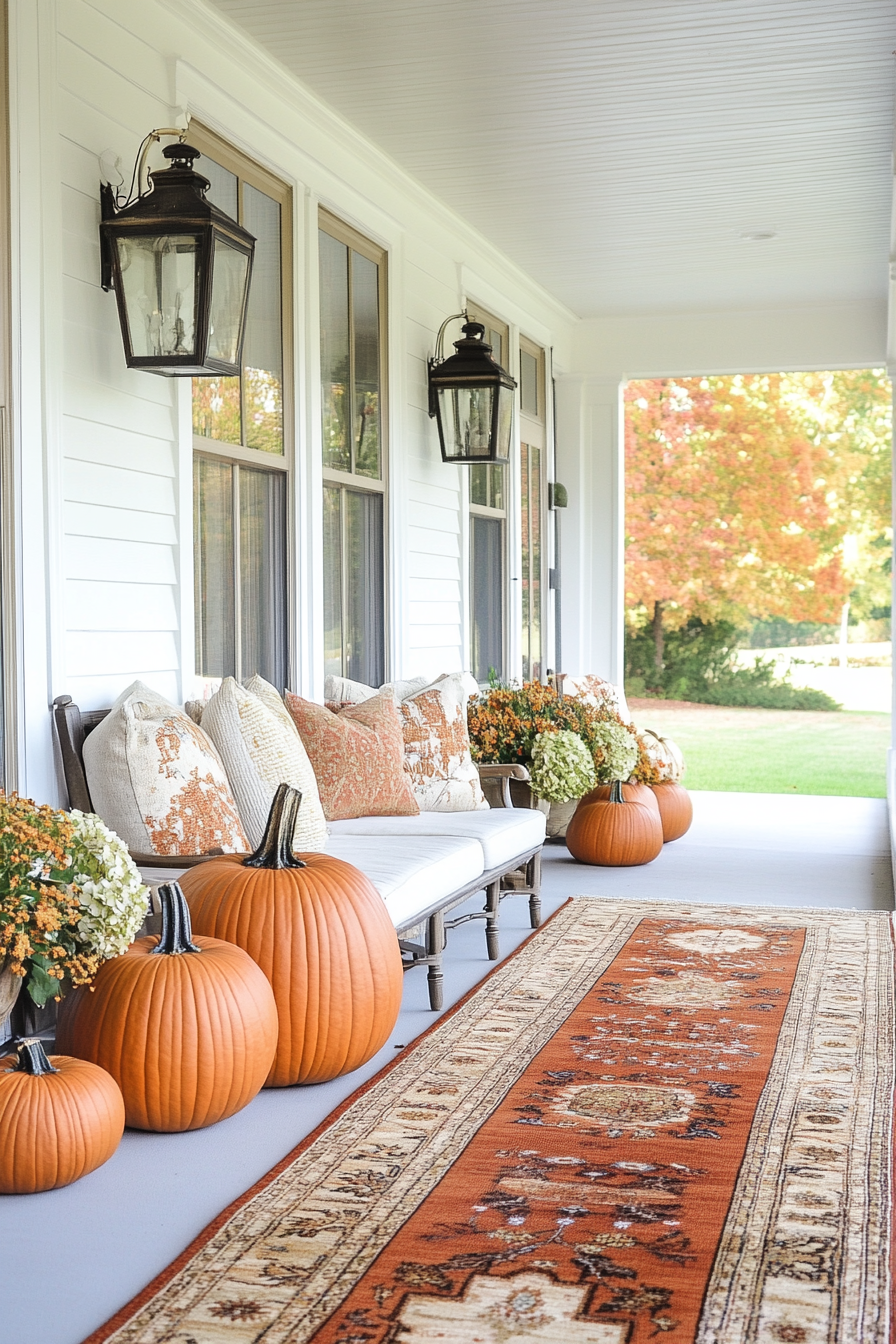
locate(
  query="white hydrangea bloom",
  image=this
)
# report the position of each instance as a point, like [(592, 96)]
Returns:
[(113, 899)]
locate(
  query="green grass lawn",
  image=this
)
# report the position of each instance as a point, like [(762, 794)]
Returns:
[(773, 750)]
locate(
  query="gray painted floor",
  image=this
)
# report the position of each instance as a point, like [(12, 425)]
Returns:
[(72, 1257)]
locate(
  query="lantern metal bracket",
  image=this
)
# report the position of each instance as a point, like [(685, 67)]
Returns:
[(111, 201), (439, 356)]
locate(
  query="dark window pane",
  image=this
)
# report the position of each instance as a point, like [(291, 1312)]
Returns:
[(364, 614), (263, 349), (333, 581), (263, 588), (496, 341), (365, 325), (334, 346), (213, 568), (487, 562), (528, 383)]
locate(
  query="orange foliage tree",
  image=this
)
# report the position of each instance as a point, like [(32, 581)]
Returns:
[(737, 496)]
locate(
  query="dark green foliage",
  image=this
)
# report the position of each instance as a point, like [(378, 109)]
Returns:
[(698, 666)]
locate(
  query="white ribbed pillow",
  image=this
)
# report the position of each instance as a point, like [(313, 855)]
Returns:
[(260, 749)]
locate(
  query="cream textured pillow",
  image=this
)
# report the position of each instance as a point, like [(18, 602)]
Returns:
[(437, 746), (343, 691), (155, 778), (595, 691), (260, 749)]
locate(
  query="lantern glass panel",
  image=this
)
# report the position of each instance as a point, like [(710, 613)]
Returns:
[(158, 276), (505, 422), (229, 275), (466, 420)]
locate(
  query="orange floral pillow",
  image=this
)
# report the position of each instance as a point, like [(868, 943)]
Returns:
[(357, 756)]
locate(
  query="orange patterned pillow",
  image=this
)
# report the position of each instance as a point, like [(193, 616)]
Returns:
[(357, 756)]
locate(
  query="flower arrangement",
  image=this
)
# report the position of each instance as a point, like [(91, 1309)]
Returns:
[(616, 751), (70, 896), (562, 767), (112, 898), (506, 720)]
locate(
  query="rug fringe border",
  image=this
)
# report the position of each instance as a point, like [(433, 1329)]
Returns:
[(164, 1277)]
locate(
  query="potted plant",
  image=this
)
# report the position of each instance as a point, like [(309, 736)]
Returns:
[(70, 898), (561, 770), (506, 720)]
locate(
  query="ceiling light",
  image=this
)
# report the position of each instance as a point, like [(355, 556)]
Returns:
[(758, 235)]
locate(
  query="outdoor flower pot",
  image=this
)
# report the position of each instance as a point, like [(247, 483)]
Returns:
[(9, 991)]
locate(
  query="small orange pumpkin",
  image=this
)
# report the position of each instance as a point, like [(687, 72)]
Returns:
[(59, 1119), (676, 809), (187, 1029), (614, 832), (319, 930)]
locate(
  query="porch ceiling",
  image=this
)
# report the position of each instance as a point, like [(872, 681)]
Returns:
[(618, 150)]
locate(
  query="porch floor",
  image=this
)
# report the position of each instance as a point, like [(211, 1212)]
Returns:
[(72, 1257)]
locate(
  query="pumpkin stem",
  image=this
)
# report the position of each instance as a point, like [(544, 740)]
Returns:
[(177, 930), (32, 1057), (275, 850), (616, 792)]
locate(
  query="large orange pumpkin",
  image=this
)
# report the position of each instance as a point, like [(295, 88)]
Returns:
[(59, 1119), (614, 832), (187, 1029), (319, 930), (676, 809)]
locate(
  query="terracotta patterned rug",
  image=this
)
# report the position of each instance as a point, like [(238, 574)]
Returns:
[(655, 1121)]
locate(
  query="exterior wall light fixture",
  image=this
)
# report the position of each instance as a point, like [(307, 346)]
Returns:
[(179, 266), (471, 397)]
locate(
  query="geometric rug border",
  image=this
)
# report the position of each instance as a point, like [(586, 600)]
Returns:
[(683, 908)]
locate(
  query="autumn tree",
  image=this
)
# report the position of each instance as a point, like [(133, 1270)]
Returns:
[(741, 492)]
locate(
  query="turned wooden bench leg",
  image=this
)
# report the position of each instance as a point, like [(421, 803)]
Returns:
[(435, 946), (533, 882), (492, 918)]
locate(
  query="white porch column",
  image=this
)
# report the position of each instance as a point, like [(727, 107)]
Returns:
[(589, 457)]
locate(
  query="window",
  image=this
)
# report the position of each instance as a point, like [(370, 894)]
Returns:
[(488, 538), (241, 446), (352, 356), (532, 492)]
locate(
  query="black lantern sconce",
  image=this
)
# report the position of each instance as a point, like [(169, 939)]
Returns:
[(471, 397), (180, 269)]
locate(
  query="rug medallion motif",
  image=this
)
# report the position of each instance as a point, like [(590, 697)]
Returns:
[(656, 1121)]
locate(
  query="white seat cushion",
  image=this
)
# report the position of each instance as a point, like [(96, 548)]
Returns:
[(502, 832), (411, 873)]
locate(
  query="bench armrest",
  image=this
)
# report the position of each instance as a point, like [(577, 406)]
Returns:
[(505, 773), (171, 860)]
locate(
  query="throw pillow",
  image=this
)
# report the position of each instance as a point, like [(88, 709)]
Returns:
[(155, 778), (358, 757), (342, 691), (595, 691), (437, 746), (260, 749)]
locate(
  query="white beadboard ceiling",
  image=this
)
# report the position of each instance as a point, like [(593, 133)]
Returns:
[(618, 149)]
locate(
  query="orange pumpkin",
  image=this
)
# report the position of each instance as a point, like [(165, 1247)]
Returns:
[(187, 1029), (319, 930), (59, 1119), (676, 809), (632, 793), (614, 832)]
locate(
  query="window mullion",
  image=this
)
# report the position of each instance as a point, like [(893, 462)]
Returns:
[(343, 574), (351, 365)]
